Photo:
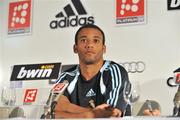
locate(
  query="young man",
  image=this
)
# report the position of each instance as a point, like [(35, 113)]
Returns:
[(95, 85)]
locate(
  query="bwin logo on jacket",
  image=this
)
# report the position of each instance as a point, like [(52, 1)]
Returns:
[(72, 16), (173, 4)]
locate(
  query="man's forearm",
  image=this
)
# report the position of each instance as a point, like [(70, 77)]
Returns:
[(64, 105), (63, 114), (65, 109), (72, 108), (91, 113)]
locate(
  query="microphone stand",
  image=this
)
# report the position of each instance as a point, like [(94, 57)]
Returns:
[(176, 109), (54, 96), (52, 112), (47, 112), (43, 116), (47, 108), (179, 106)]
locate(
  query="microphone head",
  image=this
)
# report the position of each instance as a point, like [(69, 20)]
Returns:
[(16, 112), (127, 88), (177, 70)]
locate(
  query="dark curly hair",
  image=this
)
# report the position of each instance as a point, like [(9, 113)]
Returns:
[(89, 26)]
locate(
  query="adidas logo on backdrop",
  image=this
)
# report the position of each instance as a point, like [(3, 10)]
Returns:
[(72, 16)]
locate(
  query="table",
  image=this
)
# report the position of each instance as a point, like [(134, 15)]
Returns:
[(35, 112)]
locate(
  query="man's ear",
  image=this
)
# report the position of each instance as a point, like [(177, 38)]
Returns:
[(75, 49), (104, 49)]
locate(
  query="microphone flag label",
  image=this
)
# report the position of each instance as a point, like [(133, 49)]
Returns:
[(177, 81), (30, 95), (59, 88), (177, 76)]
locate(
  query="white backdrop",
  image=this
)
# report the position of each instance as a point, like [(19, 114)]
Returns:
[(1, 44), (156, 43)]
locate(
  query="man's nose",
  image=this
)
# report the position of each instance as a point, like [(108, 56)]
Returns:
[(89, 44)]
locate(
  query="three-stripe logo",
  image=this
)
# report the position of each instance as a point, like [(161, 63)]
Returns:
[(69, 11), (72, 15)]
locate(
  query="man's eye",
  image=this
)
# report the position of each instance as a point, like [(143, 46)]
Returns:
[(96, 41), (83, 40)]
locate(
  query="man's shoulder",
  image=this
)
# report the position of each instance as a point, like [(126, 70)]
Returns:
[(68, 74), (72, 71), (71, 68), (114, 66)]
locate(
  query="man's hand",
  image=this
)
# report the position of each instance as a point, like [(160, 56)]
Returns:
[(116, 112), (107, 110), (155, 112)]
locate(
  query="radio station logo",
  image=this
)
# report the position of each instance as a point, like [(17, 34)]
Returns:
[(173, 4), (130, 11), (72, 15), (58, 87), (35, 71), (30, 95), (19, 17), (177, 78)]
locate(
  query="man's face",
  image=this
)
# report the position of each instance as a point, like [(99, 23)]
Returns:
[(90, 46)]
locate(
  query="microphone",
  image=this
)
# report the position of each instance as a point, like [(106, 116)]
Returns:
[(149, 105), (57, 90), (16, 112), (176, 101)]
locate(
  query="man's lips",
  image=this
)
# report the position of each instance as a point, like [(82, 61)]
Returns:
[(89, 52)]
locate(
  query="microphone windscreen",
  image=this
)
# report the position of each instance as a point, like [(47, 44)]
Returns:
[(16, 112), (177, 70), (145, 105)]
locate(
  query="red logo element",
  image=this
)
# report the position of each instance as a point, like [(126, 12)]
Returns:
[(129, 8), (30, 95), (58, 87), (177, 78), (19, 14)]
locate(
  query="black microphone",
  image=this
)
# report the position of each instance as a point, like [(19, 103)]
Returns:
[(57, 90), (176, 100), (47, 109)]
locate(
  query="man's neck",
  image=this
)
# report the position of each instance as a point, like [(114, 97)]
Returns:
[(89, 71)]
